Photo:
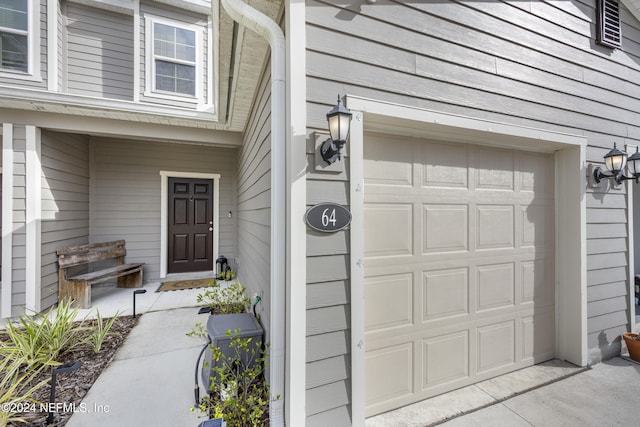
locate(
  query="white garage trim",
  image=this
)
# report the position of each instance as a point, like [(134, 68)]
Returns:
[(570, 214)]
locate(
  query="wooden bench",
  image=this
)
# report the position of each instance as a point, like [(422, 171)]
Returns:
[(77, 287)]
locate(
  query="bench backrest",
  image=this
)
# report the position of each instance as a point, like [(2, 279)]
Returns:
[(92, 252)]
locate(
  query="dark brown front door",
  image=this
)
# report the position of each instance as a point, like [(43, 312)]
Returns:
[(190, 225)]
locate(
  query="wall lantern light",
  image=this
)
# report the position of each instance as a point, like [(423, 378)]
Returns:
[(339, 119), (615, 161)]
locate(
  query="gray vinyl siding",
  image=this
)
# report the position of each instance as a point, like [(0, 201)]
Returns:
[(65, 203), (180, 17), (18, 272), (35, 84), (99, 53), (125, 199), (254, 202), (524, 63)]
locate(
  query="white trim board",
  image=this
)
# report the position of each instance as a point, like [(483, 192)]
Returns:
[(7, 220), (570, 214), (33, 259), (164, 212)]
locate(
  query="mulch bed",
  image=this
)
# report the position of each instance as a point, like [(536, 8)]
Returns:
[(73, 386)]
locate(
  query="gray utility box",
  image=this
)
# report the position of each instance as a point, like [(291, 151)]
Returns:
[(217, 327)]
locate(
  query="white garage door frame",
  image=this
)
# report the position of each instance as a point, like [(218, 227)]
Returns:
[(570, 214)]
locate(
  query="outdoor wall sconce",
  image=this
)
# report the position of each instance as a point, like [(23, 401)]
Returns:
[(339, 119), (615, 161)]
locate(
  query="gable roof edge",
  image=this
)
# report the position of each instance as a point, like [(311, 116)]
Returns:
[(633, 6)]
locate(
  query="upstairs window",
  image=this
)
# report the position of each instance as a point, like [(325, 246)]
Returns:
[(14, 35), (175, 58)]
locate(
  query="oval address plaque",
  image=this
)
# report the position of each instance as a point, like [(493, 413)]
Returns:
[(328, 217)]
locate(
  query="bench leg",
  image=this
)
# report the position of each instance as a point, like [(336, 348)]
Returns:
[(78, 292), (133, 280)]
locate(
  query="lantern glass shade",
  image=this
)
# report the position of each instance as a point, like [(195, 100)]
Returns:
[(615, 160), (339, 119), (633, 163)]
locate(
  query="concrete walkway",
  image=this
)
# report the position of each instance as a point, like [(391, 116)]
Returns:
[(150, 381)]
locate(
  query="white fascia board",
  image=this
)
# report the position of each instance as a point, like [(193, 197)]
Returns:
[(33, 219), (7, 220), (39, 100)]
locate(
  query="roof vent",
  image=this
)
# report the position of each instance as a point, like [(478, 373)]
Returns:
[(609, 30)]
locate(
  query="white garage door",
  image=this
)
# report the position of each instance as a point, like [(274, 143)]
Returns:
[(459, 265)]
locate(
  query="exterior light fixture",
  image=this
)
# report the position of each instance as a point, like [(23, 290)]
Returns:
[(61, 369), (616, 161), (339, 119), (137, 292)]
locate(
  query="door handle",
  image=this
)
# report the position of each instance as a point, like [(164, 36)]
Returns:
[(210, 228)]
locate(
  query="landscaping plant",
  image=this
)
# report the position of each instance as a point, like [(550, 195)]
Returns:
[(100, 331), (227, 299), (39, 340), (239, 392), (17, 384)]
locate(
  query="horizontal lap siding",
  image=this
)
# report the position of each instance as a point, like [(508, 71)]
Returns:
[(99, 53), (18, 272), (125, 193), (254, 202), (524, 63), (65, 202)]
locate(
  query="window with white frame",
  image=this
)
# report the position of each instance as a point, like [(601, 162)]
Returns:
[(14, 35), (174, 63)]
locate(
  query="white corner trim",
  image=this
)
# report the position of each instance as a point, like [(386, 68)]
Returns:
[(33, 219), (7, 220), (136, 48), (164, 212), (296, 187), (52, 45)]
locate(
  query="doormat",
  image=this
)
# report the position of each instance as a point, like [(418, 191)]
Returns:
[(176, 285)]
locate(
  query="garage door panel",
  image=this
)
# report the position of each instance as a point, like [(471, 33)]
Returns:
[(536, 347), (494, 169), (445, 165), (388, 302), (495, 286), (536, 173), (536, 229), (389, 167), (394, 230), (384, 384), (459, 271), (537, 282), (446, 228), (496, 346), (494, 227), (445, 359), (446, 293)]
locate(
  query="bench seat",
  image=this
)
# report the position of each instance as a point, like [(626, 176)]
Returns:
[(77, 287)]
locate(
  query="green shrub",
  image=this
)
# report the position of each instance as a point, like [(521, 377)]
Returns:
[(225, 299), (239, 393)]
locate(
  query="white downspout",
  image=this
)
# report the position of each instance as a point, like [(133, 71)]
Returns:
[(264, 26)]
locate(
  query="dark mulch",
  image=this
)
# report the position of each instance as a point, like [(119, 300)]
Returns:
[(73, 386)]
